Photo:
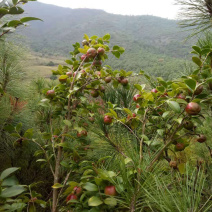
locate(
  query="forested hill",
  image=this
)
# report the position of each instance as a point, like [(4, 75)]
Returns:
[(150, 42)]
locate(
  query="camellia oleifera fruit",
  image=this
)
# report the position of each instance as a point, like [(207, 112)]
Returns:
[(173, 164), (124, 82), (110, 190), (188, 125), (198, 90), (71, 197), (50, 93), (154, 90), (107, 120), (83, 133), (91, 53), (193, 108), (100, 51), (77, 190), (181, 96), (108, 79), (136, 97), (94, 93), (179, 147), (201, 138)]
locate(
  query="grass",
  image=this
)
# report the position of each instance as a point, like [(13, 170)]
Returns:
[(38, 66)]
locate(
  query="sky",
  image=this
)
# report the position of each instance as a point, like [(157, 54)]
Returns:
[(161, 8)]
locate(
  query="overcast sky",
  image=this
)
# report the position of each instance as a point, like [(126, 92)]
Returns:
[(161, 8)]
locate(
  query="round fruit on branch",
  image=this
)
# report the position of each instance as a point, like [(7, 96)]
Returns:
[(136, 97), (84, 58), (107, 120), (71, 197), (50, 93), (124, 82), (83, 133), (201, 138), (173, 164), (188, 125), (181, 96), (85, 42), (110, 190), (179, 147), (198, 90), (154, 90), (91, 53), (108, 79), (94, 93), (69, 73), (193, 108), (77, 190), (101, 51)]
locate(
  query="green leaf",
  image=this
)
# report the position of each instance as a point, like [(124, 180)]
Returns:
[(3, 11), (110, 201), (28, 134), (26, 19), (57, 185), (15, 2), (114, 113), (174, 106), (12, 191), (197, 49), (90, 187), (8, 172), (41, 160), (86, 37), (18, 127), (197, 61), (191, 84), (94, 201), (68, 123), (16, 10), (106, 37), (182, 168), (116, 54), (83, 51), (126, 110)]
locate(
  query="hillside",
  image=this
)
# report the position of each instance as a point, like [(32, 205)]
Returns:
[(152, 43)]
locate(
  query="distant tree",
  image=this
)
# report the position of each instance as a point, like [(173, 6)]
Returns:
[(50, 63), (195, 14)]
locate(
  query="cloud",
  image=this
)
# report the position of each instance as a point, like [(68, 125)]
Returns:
[(161, 8)]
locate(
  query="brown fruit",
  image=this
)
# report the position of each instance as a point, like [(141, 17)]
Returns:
[(108, 79), (173, 164), (94, 93), (201, 139), (85, 42), (179, 147), (198, 90), (124, 82)]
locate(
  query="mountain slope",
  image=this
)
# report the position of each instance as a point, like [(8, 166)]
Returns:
[(153, 44)]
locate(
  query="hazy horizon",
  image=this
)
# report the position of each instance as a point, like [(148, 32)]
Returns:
[(167, 9)]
